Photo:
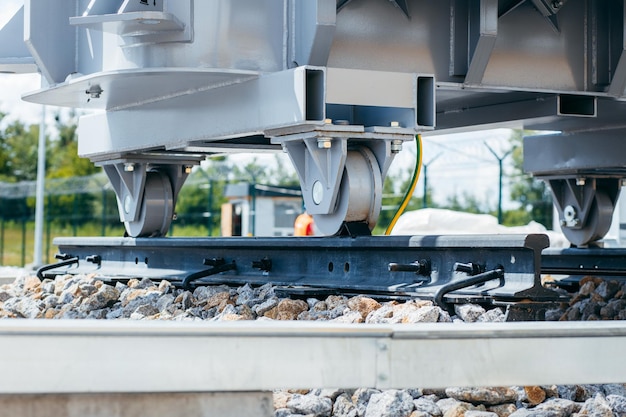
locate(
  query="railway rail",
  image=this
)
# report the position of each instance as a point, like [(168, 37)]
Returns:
[(494, 270)]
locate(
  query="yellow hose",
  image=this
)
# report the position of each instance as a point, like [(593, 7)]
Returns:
[(409, 193)]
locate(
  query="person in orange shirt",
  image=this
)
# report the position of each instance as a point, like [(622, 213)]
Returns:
[(303, 225)]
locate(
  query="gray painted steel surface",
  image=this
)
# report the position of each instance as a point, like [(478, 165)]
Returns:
[(183, 79), (66, 356)]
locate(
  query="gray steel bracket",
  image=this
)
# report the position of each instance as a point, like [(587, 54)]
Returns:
[(128, 180), (319, 155)]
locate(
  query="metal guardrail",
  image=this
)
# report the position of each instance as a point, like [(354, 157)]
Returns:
[(60, 357)]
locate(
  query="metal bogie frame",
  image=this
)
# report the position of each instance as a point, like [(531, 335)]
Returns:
[(146, 193), (585, 171), (197, 77)]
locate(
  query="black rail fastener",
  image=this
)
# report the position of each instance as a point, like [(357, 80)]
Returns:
[(264, 264), (65, 260), (421, 267), (497, 273), (94, 259), (218, 265), (469, 268)]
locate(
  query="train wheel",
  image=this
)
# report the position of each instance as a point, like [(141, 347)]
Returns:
[(596, 225), (156, 209), (360, 194)]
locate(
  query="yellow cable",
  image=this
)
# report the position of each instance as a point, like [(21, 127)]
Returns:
[(409, 193)]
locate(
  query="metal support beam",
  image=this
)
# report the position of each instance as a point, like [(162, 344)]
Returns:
[(251, 356), (313, 37), (474, 31)]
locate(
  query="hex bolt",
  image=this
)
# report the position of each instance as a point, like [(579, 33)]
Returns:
[(187, 169), (324, 143), (396, 146), (94, 91), (580, 181), (129, 167), (570, 216), (421, 267), (94, 259), (264, 264), (394, 124), (469, 268)]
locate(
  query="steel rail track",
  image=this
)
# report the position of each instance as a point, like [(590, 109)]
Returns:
[(500, 270), (578, 262)]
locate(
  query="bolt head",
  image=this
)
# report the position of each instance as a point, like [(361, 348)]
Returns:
[(324, 143), (396, 146)]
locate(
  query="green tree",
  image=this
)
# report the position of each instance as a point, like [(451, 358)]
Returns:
[(72, 205), (200, 199), (532, 194), (64, 160), (19, 152)]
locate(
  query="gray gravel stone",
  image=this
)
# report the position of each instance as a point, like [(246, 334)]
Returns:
[(143, 311), (51, 301), (483, 395), (105, 296), (380, 316), (617, 404), (415, 392), (24, 307), (349, 317), (597, 406), (525, 412), (361, 397), (608, 289), (344, 407), (427, 405), (478, 413), (469, 312), (47, 286), (614, 389), (164, 302), (559, 407), (494, 315), (310, 404), (426, 314), (503, 410), (395, 403), (445, 404)]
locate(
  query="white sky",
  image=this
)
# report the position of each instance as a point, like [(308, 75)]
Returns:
[(460, 162)]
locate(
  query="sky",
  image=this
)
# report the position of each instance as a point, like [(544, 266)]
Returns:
[(456, 163)]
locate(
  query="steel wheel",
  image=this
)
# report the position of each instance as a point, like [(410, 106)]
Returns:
[(360, 194), (597, 224), (157, 207)]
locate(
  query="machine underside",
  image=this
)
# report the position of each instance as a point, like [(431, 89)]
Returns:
[(339, 85)]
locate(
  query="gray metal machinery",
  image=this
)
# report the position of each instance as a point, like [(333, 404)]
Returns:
[(337, 84)]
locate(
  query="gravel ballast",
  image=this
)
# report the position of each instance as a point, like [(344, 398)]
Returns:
[(84, 297)]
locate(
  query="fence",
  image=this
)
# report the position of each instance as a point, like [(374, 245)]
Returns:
[(86, 206)]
